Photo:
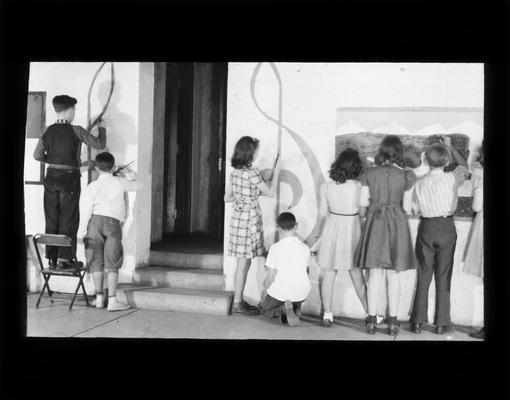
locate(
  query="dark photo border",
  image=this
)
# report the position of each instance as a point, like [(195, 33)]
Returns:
[(320, 31)]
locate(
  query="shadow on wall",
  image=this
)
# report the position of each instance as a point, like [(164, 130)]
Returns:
[(121, 130), (121, 141)]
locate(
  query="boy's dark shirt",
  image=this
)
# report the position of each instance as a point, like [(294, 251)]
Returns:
[(60, 144)]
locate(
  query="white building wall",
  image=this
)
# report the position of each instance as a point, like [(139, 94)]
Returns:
[(128, 121), (312, 92)]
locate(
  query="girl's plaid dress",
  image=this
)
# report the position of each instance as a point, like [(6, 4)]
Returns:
[(246, 231)]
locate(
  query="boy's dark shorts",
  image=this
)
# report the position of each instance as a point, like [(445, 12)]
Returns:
[(103, 244)]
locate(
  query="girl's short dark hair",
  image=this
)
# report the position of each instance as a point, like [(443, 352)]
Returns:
[(243, 152), (346, 166), (480, 155), (105, 161), (391, 151)]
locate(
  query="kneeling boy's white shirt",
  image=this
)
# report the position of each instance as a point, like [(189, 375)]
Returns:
[(290, 258)]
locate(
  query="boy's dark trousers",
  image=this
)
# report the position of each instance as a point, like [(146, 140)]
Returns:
[(273, 308), (435, 248), (61, 208)]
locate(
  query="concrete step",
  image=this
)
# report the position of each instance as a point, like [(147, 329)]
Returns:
[(189, 278), (177, 299), (186, 260)]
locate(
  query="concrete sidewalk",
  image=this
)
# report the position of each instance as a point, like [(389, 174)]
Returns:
[(54, 320)]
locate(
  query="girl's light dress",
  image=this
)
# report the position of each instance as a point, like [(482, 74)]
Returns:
[(473, 252), (341, 232)]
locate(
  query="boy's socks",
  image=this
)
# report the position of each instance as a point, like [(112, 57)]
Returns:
[(115, 305), (99, 300), (328, 315)]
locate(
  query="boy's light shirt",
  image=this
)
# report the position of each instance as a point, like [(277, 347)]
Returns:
[(289, 257), (435, 194), (105, 196)]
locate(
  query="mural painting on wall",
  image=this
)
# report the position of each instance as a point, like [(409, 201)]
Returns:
[(367, 144), (302, 174), (286, 175), (308, 112), (91, 124)]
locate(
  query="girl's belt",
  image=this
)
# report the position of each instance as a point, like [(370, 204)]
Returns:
[(248, 201), (344, 215)]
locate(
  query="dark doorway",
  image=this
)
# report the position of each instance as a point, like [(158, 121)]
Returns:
[(184, 74), (193, 147)]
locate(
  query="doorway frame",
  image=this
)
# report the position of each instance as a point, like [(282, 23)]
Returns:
[(162, 182)]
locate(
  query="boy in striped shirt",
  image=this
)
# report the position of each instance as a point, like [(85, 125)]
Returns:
[(435, 200)]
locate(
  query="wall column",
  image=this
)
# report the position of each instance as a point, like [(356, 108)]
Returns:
[(145, 145)]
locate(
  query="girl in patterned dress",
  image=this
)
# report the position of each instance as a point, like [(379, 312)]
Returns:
[(341, 233), (246, 231), (385, 247), (473, 253)]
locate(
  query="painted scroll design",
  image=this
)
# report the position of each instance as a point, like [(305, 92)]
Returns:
[(306, 151), (91, 124)]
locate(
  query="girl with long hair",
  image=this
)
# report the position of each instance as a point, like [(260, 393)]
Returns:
[(385, 247), (246, 231)]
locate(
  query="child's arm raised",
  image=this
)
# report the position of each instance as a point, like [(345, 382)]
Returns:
[(270, 191), (456, 155), (86, 137)]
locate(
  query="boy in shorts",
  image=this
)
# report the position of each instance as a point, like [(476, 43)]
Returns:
[(103, 213)]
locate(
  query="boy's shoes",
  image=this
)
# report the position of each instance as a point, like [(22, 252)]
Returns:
[(327, 323), (416, 328), (371, 324), (98, 302), (478, 334), (244, 308), (393, 326), (114, 305), (297, 310), (378, 319), (441, 330), (61, 265), (292, 318)]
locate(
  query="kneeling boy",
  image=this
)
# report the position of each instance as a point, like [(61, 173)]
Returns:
[(286, 285), (103, 212)]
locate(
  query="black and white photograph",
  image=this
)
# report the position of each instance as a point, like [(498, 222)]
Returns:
[(230, 189), (338, 201)]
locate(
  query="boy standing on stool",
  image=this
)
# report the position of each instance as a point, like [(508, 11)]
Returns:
[(60, 148), (101, 227), (435, 198), (286, 285)]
